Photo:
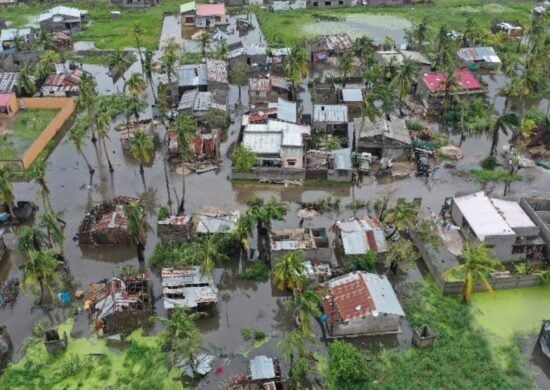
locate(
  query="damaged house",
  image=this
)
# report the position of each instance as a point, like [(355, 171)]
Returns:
[(334, 165), (106, 224), (357, 236), (383, 138), (389, 59), (120, 305), (63, 18), (431, 88), (128, 131), (262, 91), (327, 46), (8, 82), (501, 224), (331, 118), (9, 36), (361, 303), (188, 287), (484, 57), (62, 84), (312, 242)]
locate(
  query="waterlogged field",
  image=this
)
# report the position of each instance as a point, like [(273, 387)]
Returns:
[(517, 311), (357, 25)]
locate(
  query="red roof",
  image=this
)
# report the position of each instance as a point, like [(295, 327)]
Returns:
[(5, 98), (466, 80), (348, 300), (210, 9)]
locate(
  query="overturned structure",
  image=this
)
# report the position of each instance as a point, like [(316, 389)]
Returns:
[(120, 305), (106, 224), (188, 287)]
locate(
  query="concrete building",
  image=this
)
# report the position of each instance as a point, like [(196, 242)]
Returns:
[(188, 287), (361, 303), (277, 144), (326, 46), (383, 138), (63, 18), (501, 224), (357, 236), (431, 87), (330, 118), (9, 105), (312, 242), (211, 15), (135, 4), (188, 14)]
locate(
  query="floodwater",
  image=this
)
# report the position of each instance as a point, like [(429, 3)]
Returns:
[(242, 304)]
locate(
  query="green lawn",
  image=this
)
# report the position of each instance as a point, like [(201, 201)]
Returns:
[(287, 27), (105, 32), (23, 129), (89, 364)]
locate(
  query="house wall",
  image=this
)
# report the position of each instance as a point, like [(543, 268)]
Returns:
[(339, 175), (12, 107), (328, 3), (188, 19), (370, 325), (52, 26), (270, 174), (210, 21), (535, 209), (295, 154)]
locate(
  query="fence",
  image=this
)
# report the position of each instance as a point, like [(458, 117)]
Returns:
[(66, 107), (501, 282)]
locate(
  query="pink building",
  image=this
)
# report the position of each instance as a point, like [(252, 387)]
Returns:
[(432, 86)]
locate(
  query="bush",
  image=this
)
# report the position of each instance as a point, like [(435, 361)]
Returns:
[(489, 163), (416, 125), (366, 262), (258, 271), (173, 255), (243, 159), (163, 213), (497, 176), (253, 334), (347, 366)]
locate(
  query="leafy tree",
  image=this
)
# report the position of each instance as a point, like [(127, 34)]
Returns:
[(347, 366), (388, 44), (205, 40), (366, 262), (25, 85), (244, 159), (42, 268), (211, 251), (30, 238), (297, 67), (290, 272), (119, 61), (502, 123), (137, 226), (403, 215), (479, 263), (142, 148), (264, 213), (345, 66), (77, 133)]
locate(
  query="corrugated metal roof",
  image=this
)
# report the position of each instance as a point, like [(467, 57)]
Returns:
[(263, 142), (512, 213), (342, 159), (9, 34), (352, 95), (259, 85), (479, 54), (208, 223), (262, 367), (203, 101), (187, 101), (395, 129), (330, 113), (382, 293), (217, 71), (8, 81), (415, 56), (188, 7), (62, 10), (339, 42), (362, 234), (286, 111), (187, 287), (193, 75)]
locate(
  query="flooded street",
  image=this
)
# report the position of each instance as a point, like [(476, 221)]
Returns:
[(243, 304)]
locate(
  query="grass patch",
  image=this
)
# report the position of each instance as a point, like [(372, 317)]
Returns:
[(24, 128), (285, 28), (190, 58), (461, 357), (105, 32), (485, 176), (90, 364), (258, 271), (97, 59)]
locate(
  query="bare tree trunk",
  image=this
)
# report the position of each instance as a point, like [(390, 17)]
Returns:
[(111, 168), (90, 168)]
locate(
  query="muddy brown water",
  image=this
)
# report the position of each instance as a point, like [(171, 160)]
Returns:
[(242, 303)]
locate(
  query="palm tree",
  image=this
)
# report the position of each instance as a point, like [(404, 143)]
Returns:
[(404, 79), (297, 67), (119, 61), (45, 40), (418, 35), (306, 304), (450, 84), (42, 268), (181, 332), (186, 130), (102, 125), (30, 238), (138, 32), (54, 229), (38, 172), (263, 213), (362, 46), (345, 66), (137, 226), (388, 44), (25, 84), (290, 272), (205, 40), (242, 232), (142, 148), (136, 85), (383, 94), (517, 88), (479, 263), (502, 123), (148, 69), (403, 215), (294, 344), (169, 60), (223, 50), (88, 99), (76, 135), (7, 194), (210, 250)]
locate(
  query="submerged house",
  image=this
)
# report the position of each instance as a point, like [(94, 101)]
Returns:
[(188, 287), (334, 165), (538, 209), (383, 138), (327, 46), (262, 91), (432, 87), (277, 143), (63, 18), (63, 84), (127, 132), (357, 236), (484, 57), (120, 305), (361, 303), (501, 224), (106, 224), (312, 242), (265, 373), (396, 58)]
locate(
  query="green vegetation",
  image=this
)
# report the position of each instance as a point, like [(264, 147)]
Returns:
[(105, 32), (461, 357), (88, 363), (253, 334), (258, 271), (347, 366), (97, 59), (366, 262), (485, 176), (174, 255), (25, 127), (244, 159), (287, 28)]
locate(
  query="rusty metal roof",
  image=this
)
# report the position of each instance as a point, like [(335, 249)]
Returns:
[(336, 42), (217, 71), (259, 85)]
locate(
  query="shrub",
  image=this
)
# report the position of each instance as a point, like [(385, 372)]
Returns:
[(489, 163), (366, 262), (347, 366), (416, 125), (163, 213), (498, 176), (258, 271), (243, 159)]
